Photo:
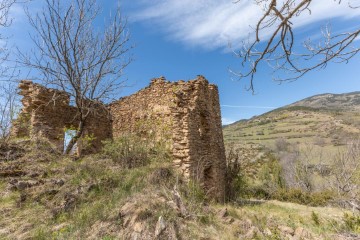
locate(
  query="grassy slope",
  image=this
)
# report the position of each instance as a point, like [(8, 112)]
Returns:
[(321, 130), (297, 126), (48, 196), (328, 118), (317, 134)]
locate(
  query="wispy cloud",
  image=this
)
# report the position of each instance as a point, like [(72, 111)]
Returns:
[(215, 23), (236, 106)]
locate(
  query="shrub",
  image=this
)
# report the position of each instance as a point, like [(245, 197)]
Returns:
[(128, 151), (315, 218), (281, 145), (351, 223), (270, 174), (133, 151), (260, 133), (299, 196), (236, 185)]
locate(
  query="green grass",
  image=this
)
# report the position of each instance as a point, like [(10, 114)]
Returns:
[(110, 200)]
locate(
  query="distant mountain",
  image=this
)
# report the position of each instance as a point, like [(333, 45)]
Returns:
[(345, 101), (327, 119), (317, 127)]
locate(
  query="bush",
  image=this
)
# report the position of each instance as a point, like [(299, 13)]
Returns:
[(236, 185), (270, 175), (281, 145), (351, 223), (315, 218), (133, 151), (128, 151), (258, 192), (299, 196)]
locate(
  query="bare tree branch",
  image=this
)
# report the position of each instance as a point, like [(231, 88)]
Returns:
[(5, 21), (278, 50), (8, 109), (345, 177)]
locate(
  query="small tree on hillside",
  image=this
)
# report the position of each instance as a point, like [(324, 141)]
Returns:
[(345, 174), (5, 21), (76, 55), (8, 109), (276, 43), (8, 96)]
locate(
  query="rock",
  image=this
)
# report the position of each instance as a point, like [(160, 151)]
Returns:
[(12, 173), (267, 232), (246, 224), (69, 201), (223, 213), (21, 200), (229, 220), (135, 236), (33, 174), (301, 233), (160, 175), (179, 203), (138, 227), (58, 182), (21, 185), (286, 230), (252, 233), (160, 227)]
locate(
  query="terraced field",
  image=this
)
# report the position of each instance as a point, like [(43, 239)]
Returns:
[(323, 128), (296, 134)]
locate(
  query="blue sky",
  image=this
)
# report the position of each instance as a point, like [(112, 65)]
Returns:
[(183, 39)]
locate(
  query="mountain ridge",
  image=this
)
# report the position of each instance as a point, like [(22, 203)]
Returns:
[(323, 101), (331, 101)]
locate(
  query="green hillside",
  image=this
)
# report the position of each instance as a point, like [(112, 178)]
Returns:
[(327, 120), (311, 146)]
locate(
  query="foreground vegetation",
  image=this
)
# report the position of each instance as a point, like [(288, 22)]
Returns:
[(130, 190), (300, 153)]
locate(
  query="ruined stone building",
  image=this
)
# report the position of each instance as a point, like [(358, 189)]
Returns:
[(184, 114)]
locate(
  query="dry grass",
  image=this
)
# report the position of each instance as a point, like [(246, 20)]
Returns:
[(96, 198)]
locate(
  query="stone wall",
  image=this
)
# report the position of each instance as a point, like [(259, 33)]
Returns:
[(47, 113), (186, 115)]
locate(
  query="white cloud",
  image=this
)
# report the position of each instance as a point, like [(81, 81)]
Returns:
[(227, 121), (237, 106), (215, 23)]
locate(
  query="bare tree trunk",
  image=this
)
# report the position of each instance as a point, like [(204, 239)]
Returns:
[(75, 138)]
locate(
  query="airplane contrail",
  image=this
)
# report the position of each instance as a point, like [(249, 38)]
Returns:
[(233, 106)]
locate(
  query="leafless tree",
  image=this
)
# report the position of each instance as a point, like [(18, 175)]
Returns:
[(74, 55), (5, 21), (299, 166), (345, 177), (280, 48), (8, 109), (8, 96)]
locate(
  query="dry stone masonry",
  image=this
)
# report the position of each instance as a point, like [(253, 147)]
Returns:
[(186, 115), (47, 113)]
